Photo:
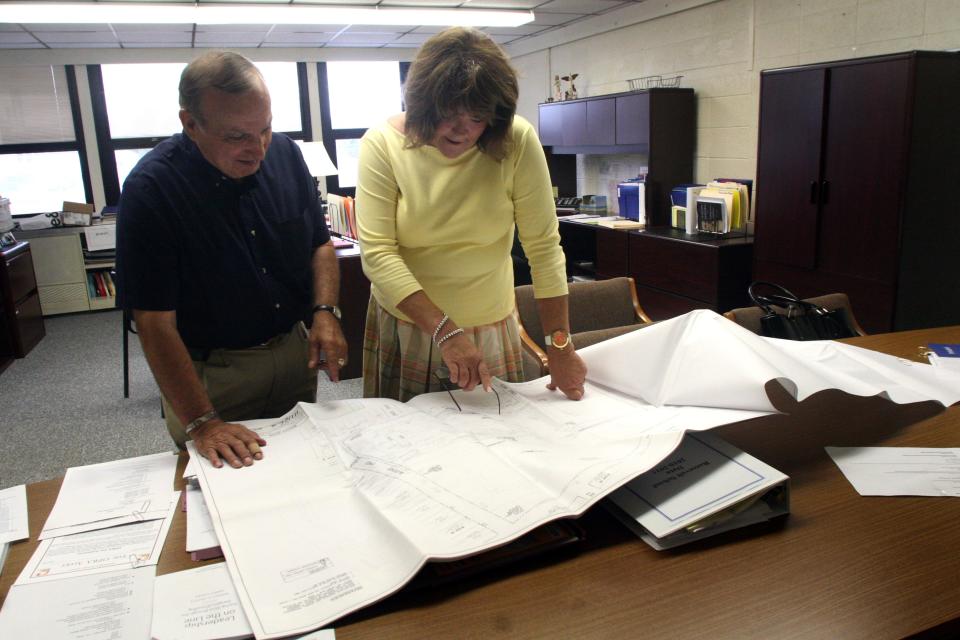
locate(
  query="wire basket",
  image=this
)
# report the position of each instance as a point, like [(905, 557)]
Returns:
[(653, 82)]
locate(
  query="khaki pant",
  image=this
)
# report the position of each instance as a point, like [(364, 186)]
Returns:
[(264, 381)]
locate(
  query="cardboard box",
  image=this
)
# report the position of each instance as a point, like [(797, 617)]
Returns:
[(77, 214)]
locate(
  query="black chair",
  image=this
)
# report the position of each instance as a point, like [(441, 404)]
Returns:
[(126, 330)]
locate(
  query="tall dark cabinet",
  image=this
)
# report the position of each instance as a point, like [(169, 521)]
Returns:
[(858, 164)]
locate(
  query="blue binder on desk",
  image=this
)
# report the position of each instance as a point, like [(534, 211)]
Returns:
[(631, 196)]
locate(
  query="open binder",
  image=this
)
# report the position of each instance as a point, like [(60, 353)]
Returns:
[(705, 487)]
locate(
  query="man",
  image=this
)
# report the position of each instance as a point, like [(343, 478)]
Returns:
[(223, 256)]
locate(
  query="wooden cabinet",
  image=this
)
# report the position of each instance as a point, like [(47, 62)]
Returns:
[(658, 123), (676, 273), (21, 322), (856, 166), (354, 297)]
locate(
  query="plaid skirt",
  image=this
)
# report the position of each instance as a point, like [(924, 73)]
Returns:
[(399, 359)]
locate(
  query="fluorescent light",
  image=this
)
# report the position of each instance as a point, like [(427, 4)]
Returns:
[(148, 13)]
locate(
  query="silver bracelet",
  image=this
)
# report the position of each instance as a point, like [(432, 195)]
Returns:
[(455, 332), (440, 324), (202, 420)]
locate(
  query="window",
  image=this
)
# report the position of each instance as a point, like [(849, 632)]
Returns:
[(41, 163), (139, 107), (349, 108)]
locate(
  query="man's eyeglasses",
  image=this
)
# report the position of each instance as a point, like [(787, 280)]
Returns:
[(442, 374)]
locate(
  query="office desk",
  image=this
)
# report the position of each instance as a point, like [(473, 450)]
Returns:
[(674, 272), (840, 566)]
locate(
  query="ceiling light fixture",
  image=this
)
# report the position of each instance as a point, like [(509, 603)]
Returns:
[(223, 14)]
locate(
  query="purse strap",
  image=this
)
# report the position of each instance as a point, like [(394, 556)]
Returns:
[(784, 299)]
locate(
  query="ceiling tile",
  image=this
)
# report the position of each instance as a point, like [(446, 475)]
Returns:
[(83, 45), (76, 37), (517, 5), (178, 39), (580, 6), (360, 38), (16, 37), (440, 4)]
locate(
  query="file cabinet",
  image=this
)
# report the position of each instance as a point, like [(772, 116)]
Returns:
[(21, 322)]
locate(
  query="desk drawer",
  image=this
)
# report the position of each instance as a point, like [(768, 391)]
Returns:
[(20, 274), (684, 268)]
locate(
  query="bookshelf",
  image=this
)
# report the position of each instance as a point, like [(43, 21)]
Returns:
[(66, 281)]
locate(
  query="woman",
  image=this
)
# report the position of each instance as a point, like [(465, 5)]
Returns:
[(440, 189)]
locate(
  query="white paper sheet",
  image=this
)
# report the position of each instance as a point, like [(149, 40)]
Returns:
[(200, 533), (354, 496), (900, 471), (13, 514), (125, 546), (112, 493), (198, 604), (105, 606)]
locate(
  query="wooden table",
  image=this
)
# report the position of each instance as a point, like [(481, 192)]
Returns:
[(840, 566)]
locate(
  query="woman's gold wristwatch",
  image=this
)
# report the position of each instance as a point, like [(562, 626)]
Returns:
[(559, 339)]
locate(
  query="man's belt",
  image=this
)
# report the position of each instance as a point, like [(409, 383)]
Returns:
[(202, 354)]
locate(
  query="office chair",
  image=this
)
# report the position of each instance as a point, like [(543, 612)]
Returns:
[(749, 317), (126, 330), (599, 310)]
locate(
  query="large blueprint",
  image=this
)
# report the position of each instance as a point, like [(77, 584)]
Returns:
[(352, 497)]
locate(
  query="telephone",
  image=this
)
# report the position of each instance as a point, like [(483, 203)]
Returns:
[(568, 202)]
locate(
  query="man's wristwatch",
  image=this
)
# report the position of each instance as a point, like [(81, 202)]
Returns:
[(332, 308), (559, 339), (202, 420)]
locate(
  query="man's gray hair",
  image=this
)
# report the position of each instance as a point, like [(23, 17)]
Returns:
[(223, 70)]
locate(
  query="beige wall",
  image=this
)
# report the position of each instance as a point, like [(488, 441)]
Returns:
[(720, 49)]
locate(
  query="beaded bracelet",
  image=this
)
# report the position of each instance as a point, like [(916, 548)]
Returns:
[(440, 324), (455, 332)]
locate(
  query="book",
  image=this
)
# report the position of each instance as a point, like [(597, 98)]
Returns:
[(621, 223), (705, 487)]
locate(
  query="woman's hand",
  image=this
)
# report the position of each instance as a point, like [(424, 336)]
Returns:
[(567, 372), (465, 362)]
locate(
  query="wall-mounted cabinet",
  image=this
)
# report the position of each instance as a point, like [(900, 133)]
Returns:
[(658, 123)]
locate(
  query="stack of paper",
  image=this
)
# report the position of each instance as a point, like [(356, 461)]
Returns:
[(92, 574)]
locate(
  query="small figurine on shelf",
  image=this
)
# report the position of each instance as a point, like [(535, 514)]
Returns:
[(571, 93), (557, 90)]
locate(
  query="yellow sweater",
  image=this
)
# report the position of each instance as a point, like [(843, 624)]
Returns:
[(446, 225)]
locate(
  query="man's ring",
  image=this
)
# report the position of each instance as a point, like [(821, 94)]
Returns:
[(342, 361)]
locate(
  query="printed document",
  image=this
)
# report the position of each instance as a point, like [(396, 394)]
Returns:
[(104, 606), (198, 604), (13, 514), (200, 533), (355, 496), (900, 471), (125, 546), (111, 493)]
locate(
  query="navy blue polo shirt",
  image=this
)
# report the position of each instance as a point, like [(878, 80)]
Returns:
[(231, 257)]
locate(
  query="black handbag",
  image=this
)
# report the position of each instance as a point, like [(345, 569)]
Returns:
[(800, 320)]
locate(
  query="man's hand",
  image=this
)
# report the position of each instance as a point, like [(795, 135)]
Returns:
[(567, 372), (234, 443), (327, 336), (465, 362)]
